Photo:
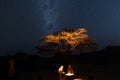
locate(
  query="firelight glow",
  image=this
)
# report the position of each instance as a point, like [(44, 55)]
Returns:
[(73, 38), (69, 74), (67, 41)]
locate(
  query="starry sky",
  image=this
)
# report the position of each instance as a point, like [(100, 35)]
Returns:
[(24, 22)]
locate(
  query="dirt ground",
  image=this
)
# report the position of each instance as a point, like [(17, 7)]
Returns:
[(98, 72)]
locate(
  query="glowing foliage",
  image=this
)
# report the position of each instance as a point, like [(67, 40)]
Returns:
[(66, 41)]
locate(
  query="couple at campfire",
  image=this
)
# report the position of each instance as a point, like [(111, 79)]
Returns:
[(62, 74)]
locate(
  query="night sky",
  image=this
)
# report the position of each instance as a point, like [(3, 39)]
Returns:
[(23, 22)]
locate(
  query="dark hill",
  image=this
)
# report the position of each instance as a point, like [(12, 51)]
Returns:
[(107, 56)]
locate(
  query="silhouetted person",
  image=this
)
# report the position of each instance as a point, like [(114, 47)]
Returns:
[(69, 69), (61, 72), (11, 72)]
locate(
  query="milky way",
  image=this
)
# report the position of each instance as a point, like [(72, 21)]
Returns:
[(49, 10)]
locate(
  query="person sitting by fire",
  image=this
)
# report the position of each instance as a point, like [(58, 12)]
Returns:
[(70, 70), (61, 72)]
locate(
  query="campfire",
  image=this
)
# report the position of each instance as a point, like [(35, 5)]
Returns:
[(69, 75), (66, 76)]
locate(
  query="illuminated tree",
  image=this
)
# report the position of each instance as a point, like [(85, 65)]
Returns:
[(66, 42)]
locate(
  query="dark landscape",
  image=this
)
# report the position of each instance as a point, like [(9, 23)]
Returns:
[(37, 37), (101, 65)]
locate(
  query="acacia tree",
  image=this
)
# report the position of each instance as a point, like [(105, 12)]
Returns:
[(66, 42)]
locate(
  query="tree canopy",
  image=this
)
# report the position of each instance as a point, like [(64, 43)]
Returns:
[(66, 42)]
